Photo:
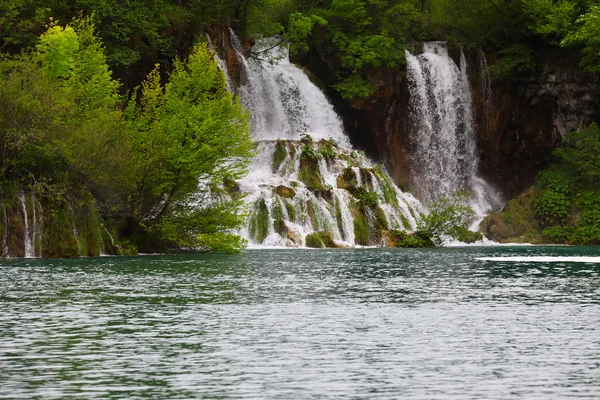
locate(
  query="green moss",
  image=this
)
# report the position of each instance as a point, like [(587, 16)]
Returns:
[(516, 223), (58, 240), (291, 210), (313, 215), (339, 218), (285, 192), (381, 223), (361, 227), (347, 180), (405, 222), (277, 208), (389, 194), (309, 172), (279, 155), (259, 221), (319, 240)]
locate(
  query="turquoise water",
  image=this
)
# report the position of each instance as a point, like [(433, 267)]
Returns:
[(304, 324)]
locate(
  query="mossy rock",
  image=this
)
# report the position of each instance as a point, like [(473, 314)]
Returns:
[(312, 213), (285, 192), (389, 193), (259, 221), (319, 240), (291, 210), (405, 222), (231, 186), (365, 177), (287, 232), (325, 193), (347, 179), (309, 172), (361, 227), (279, 155), (516, 223), (381, 223)]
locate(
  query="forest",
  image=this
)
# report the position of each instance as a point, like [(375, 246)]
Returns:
[(113, 110)]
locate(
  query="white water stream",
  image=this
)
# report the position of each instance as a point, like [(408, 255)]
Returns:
[(446, 160), (285, 104)]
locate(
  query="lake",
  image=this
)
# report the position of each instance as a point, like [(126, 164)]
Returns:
[(305, 324)]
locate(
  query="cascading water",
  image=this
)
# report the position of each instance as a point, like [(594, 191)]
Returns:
[(30, 230), (306, 178), (445, 153)]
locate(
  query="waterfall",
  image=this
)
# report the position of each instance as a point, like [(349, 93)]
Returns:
[(486, 82), (306, 177), (5, 252), (284, 102), (220, 63), (444, 139), (80, 248), (28, 242)]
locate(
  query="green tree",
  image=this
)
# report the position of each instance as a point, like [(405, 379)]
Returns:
[(587, 34), (188, 130), (447, 216), (581, 150)]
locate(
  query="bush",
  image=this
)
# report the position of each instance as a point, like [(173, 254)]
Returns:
[(558, 234), (447, 217)]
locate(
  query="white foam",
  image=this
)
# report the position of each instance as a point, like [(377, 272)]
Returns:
[(595, 260)]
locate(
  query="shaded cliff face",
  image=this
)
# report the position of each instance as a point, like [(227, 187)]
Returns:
[(518, 126), (526, 119)]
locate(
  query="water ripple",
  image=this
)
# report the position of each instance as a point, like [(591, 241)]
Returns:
[(368, 324)]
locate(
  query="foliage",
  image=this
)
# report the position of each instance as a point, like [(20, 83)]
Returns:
[(587, 34), (300, 28), (308, 151), (62, 125), (186, 130), (514, 60), (411, 240), (565, 201), (581, 150), (447, 216), (366, 197), (326, 151), (551, 18)]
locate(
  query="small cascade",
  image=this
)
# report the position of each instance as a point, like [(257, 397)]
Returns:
[(220, 63), (445, 156), (113, 244), (36, 231), (4, 252), (80, 248), (27, 241), (486, 81), (306, 179), (283, 100)]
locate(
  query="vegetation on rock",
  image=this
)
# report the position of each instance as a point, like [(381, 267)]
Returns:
[(563, 205), (319, 240)]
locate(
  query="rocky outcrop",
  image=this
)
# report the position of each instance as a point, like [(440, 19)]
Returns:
[(525, 119)]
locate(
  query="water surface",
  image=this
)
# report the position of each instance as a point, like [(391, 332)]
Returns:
[(304, 324)]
